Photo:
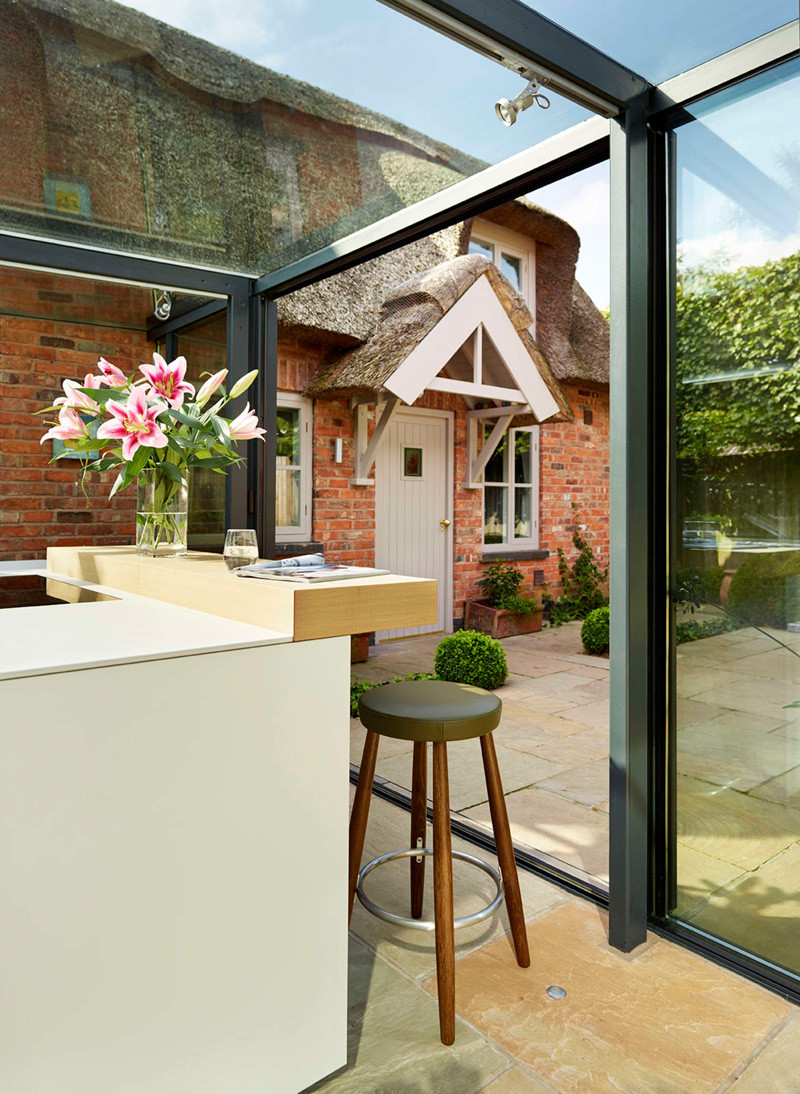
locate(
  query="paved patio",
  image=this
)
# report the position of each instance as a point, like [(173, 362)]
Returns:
[(738, 764), (658, 1021)]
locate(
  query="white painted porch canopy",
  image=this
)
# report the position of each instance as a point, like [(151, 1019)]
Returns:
[(473, 351)]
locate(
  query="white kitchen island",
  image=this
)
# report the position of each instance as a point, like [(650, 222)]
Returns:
[(174, 790)]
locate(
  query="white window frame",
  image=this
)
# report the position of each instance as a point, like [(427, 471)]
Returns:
[(301, 532), (511, 543), (504, 240)]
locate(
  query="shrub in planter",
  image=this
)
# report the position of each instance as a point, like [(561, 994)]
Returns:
[(469, 657), (763, 591), (594, 632), (502, 583), (503, 612)]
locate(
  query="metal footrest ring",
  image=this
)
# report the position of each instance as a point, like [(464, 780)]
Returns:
[(428, 924)]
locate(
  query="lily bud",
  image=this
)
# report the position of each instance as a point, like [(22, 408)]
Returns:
[(243, 384)]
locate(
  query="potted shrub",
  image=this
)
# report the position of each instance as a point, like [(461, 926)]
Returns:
[(503, 612)]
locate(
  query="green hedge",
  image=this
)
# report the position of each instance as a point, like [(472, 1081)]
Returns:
[(594, 632), (469, 657), (765, 589), (693, 629), (708, 581)]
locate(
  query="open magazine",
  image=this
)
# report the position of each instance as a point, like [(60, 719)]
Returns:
[(307, 568)]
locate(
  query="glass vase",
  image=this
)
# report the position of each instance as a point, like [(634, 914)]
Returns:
[(161, 515)]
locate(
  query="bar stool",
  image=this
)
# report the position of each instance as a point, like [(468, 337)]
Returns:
[(439, 712)]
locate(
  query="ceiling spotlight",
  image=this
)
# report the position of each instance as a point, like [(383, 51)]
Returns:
[(163, 307), (507, 111)]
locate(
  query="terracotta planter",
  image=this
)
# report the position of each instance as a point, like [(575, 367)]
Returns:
[(498, 622), (359, 648)]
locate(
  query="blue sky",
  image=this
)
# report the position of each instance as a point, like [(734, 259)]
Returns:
[(366, 52)]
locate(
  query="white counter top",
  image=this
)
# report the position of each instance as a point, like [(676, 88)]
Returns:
[(40, 640)]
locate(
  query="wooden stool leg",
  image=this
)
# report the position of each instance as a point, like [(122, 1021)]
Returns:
[(443, 896), (505, 850), (358, 818), (419, 817)]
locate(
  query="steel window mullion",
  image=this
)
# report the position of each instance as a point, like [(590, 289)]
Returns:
[(268, 395), (630, 530)]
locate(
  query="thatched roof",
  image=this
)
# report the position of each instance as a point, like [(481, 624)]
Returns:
[(409, 313)]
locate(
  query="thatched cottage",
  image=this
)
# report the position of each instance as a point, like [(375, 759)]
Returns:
[(440, 406)]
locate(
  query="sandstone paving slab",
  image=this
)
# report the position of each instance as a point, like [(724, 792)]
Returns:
[(393, 1041), (388, 746), (413, 951), (592, 714), (741, 758), (516, 1081), (731, 826), (528, 664), (776, 1069), (465, 771), (587, 660), (694, 680), (559, 683), (760, 910), (582, 747), (784, 789), (734, 720), (526, 716), (777, 663), (572, 833), (699, 876), (587, 784), (755, 695), (664, 1022)]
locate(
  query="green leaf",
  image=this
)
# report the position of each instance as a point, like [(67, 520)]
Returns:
[(103, 394), (119, 484), (171, 471), (222, 429)]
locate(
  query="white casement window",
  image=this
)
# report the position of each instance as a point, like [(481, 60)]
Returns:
[(511, 490), (514, 255), (293, 469)]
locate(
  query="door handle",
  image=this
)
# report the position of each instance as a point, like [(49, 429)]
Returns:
[(444, 523)]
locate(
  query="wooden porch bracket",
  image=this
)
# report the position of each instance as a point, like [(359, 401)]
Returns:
[(366, 452), (476, 461)]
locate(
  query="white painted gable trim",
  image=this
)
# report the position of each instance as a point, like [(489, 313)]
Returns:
[(479, 305)]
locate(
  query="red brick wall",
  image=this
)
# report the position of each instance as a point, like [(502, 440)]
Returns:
[(573, 467), (41, 504)]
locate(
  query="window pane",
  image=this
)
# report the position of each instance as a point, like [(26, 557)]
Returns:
[(287, 498), (288, 439), (478, 247), (522, 456), (737, 539), (523, 526), (495, 470), (495, 499), (511, 267)]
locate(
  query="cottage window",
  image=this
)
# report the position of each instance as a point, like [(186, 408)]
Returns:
[(514, 255), (293, 469), (511, 490)]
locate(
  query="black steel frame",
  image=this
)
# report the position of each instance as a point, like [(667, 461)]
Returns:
[(640, 327)]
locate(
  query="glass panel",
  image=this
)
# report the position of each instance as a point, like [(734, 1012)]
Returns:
[(288, 439), (495, 470), (523, 527), (495, 500), (412, 463), (168, 131), (287, 498), (736, 579), (511, 267), (205, 350), (478, 247), (522, 456), (659, 41)]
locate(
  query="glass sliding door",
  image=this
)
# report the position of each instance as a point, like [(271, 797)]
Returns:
[(735, 575)]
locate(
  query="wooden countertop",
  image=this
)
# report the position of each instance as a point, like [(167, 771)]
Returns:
[(201, 581)]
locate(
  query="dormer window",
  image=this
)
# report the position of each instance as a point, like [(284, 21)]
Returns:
[(514, 255)]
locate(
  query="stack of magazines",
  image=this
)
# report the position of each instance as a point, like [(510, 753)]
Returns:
[(306, 568)]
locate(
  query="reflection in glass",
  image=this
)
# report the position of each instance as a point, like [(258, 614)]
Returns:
[(288, 438), (494, 508), (496, 467), (522, 514), (478, 247), (287, 497), (511, 268), (736, 750), (522, 456)]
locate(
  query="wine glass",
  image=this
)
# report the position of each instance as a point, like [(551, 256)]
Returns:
[(241, 548)]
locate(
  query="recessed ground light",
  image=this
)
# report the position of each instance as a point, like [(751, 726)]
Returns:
[(555, 992)]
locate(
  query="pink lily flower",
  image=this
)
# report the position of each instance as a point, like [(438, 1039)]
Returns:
[(112, 376), (246, 427), (168, 380), (210, 386), (134, 424), (77, 400), (70, 427)]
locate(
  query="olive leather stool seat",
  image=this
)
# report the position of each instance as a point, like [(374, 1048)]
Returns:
[(439, 712)]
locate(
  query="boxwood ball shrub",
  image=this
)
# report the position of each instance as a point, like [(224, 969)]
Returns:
[(594, 632), (765, 589), (469, 657)]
